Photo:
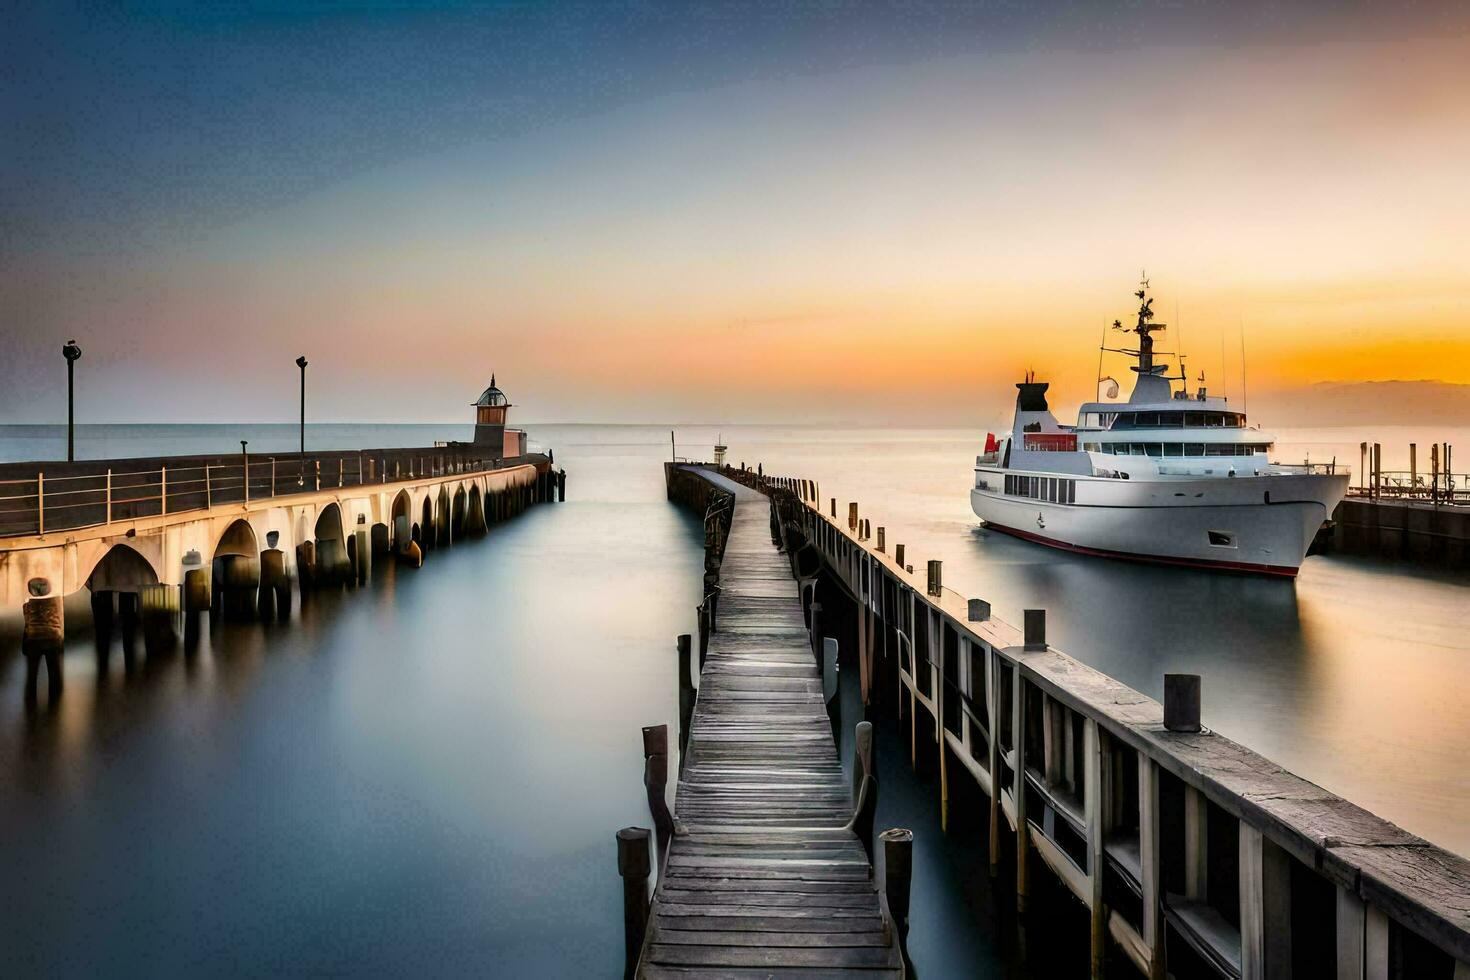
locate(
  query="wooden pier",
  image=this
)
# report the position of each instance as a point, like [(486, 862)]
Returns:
[(1194, 856), (764, 877)]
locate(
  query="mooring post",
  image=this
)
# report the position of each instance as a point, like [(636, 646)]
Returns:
[(1182, 702), (686, 696), (1035, 629), (633, 866), (898, 873)]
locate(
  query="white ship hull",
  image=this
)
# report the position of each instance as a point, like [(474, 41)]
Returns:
[(1259, 524)]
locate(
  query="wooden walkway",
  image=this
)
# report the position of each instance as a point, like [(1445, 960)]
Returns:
[(763, 879)]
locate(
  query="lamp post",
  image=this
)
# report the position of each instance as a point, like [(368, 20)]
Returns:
[(71, 352), (301, 461)]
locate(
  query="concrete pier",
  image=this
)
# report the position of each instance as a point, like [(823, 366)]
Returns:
[(1193, 855)]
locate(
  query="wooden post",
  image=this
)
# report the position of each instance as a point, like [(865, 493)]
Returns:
[(1351, 925), (1149, 864), (633, 866), (1265, 907), (834, 508), (686, 696), (1196, 844), (992, 714), (936, 577), (1096, 769), (863, 760), (816, 630), (898, 871), (1018, 786), (208, 493), (898, 555), (655, 784), (881, 533), (852, 516)]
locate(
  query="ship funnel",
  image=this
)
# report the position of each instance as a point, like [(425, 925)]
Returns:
[(1032, 396)]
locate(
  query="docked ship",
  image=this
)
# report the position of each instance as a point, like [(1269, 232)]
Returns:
[(1168, 476)]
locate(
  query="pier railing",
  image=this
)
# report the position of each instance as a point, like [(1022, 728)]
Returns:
[(1190, 851), (61, 496)]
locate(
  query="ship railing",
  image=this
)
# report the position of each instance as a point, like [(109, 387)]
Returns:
[(1310, 469)]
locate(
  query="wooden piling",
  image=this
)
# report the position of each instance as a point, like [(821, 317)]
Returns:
[(634, 866), (898, 874), (159, 609), (655, 785), (687, 695)]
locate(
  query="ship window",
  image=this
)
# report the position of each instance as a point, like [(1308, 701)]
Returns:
[(1173, 449), (1156, 449), (1051, 490), (1222, 539), (1219, 449), (1194, 449)]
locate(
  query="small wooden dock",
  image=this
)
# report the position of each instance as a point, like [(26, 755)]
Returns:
[(764, 879)]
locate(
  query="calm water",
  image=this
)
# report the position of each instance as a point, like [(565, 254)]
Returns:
[(425, 776)]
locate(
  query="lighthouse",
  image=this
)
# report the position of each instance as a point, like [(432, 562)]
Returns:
[(490, 411)]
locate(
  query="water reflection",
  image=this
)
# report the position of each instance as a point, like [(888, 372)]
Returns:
[(421, 777)]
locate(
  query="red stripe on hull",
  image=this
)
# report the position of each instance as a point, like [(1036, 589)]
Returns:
[(1283, 571)]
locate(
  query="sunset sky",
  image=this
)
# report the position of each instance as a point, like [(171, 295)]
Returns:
[(718, 212)]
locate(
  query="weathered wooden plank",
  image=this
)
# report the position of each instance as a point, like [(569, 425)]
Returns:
[(765, 879)]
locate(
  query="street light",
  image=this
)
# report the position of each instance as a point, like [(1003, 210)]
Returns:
[(71, 352), (301, 363), (301, 460)]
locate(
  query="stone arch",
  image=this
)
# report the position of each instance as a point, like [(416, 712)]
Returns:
[(237, 539), (475, 512), (400, 520), (121, 569), (426, 523), (332, 566), (458, 511), (235, 571), (441, 517)]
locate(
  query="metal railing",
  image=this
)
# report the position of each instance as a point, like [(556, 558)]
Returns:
[(57, 497)]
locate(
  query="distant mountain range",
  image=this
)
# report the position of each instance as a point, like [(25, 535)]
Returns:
[(1365, 403)]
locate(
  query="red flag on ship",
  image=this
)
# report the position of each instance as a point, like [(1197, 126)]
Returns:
[(991, 445)]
